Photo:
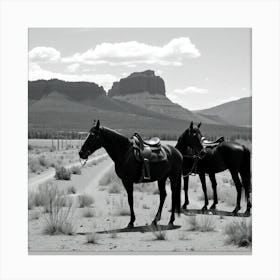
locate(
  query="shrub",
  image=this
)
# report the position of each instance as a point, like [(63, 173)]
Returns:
[(115, 188), (122, 212), (76, 170), (71, 190), (203, 223), (88, 212), (61, 173), (31, 200), (43, 161), (85, 200), (150, 188), (158, 233), (92, 238), (58, 219), (182, 236), (35, 215), (34, 165), (239, 232)]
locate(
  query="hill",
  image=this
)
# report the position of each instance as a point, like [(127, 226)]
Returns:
[(238, 112)]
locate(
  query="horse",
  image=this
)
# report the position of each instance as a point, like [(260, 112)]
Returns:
[(128, 169), (227, 155)]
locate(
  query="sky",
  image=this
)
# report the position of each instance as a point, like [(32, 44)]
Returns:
[(201, 67)]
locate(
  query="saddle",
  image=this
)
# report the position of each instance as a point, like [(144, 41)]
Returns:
[(212, 144), (146, 151)]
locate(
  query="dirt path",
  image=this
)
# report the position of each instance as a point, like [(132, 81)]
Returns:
[(34, 182)]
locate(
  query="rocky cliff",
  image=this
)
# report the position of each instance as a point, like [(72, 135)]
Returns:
[(75, 90), (138, 82)]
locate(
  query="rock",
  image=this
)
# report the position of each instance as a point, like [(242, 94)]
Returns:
[(138, 82)]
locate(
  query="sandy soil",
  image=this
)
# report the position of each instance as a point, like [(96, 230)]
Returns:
[(109, 215)]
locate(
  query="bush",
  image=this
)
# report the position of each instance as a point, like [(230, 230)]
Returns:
[(88, 212), (58, 219), (61, 173), (158, 233), (71, 190), (115, 188), (76, 170), (92, 238), (239, 232), (203, 223), (150, 188), (44, 162), (85, 200)]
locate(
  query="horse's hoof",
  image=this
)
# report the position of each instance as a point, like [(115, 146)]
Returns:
[(247, 213), (130, 225), (170, 225), (154, 224), (204, 208), (184, 207)]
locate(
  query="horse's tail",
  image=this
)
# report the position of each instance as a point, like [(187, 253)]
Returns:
[(245, 170)]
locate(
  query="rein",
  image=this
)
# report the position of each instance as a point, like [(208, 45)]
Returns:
[(196, 158), (83, 163)]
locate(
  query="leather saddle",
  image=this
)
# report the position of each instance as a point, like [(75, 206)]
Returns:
[(146, 151), (212, 144)]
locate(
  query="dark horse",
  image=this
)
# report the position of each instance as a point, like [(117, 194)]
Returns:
[(120, 149), (227, 155)]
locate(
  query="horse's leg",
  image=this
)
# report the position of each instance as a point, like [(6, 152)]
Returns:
[(129, 190), (212, 178), (249, 204), (246, 184), (162, 195), (238, 185), (186, 189), (173, 183), (203, 183)]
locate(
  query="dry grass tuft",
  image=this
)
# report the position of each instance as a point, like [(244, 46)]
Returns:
[(58, 219), (202, 223), (239, 232), (158, 233), (85, 200), (92, 238), (115, 188), (76, 170), (88, 212), (62, 173), (71, 190)]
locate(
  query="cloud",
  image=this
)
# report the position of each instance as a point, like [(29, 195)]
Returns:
[(36, 73), (133, 53), (191, 89), (73, 67), (44, 54)]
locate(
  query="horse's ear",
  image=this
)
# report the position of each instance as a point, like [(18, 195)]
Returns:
[(199, 125), (191, 126), (97, 124)]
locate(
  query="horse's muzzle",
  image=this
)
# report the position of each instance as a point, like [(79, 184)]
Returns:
[(83, 155)]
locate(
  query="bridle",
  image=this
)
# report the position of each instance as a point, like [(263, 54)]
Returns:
[(83, 163), (196, 158)]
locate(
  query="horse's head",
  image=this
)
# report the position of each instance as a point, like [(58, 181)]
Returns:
[(92, 142), (191, 138)]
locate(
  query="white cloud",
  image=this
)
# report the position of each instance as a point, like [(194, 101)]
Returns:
[(73, 67), (133, 53), (36, 73), (44, 54), (191, 89)]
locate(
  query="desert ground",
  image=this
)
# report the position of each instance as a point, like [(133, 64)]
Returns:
[(85, 210)]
